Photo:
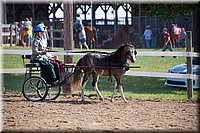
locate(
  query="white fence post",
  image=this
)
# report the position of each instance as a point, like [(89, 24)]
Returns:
[(189, 64)]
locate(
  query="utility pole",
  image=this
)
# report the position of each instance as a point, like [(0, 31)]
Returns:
[(189, 64), (68, 37)]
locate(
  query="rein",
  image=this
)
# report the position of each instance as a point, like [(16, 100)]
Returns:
[(82, 51), (90, 52)]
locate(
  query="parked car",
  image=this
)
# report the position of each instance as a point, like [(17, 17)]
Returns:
[(182, 69)]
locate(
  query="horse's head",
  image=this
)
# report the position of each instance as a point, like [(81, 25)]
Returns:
[(130, 53)]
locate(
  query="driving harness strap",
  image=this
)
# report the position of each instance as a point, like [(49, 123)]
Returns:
[(110, 63)]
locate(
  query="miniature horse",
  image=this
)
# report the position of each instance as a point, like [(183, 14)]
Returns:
[(95, 64), (176, 34)]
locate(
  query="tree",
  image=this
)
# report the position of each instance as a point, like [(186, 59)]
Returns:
[(168, 11)]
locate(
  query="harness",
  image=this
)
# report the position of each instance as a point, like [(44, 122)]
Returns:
[(112, 63)]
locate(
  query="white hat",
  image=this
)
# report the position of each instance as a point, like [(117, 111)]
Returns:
[(148, 26), (42, 25)]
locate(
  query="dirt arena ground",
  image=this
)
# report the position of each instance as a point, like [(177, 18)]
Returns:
[(68, 114)]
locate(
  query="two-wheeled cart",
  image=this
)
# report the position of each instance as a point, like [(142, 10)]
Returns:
[(35, 88)]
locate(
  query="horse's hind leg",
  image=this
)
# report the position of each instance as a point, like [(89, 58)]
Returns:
[(94, 84), (82, 93)]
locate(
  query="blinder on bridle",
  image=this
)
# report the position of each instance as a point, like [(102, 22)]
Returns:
[(135, 52), (131, 46)]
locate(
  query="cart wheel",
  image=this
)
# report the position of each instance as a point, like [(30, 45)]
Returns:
[(53, 92), (34, 89)]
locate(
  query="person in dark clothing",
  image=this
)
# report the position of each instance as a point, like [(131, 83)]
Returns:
[(167, 42)]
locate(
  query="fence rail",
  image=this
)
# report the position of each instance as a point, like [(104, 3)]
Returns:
[(140, 53)]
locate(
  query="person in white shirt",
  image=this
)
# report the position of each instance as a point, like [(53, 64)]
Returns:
[(147, 36), (82, 38)]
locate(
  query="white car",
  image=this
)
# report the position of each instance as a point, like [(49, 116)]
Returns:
[(181, 82)]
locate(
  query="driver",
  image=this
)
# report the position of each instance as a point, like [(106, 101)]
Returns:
[(41, 55)]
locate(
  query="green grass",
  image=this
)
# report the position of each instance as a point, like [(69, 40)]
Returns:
[(142, 88), (136, 87), (12, 61), (13, 82)]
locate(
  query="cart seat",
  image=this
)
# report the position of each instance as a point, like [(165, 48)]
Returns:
[(32, 65)]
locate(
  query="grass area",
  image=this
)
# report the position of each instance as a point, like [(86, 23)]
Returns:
[(142, 88), (137, 87)]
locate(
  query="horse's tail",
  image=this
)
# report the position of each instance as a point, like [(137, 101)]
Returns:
[(95, 35), (77, 77)]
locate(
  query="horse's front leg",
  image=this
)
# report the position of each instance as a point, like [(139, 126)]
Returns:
[(118, 86), (114, 92), (83, 89), (122, 94), (94, 84), (85, 80)]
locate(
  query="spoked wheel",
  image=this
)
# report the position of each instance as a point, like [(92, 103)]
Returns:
[(53, 92), (35, 89)]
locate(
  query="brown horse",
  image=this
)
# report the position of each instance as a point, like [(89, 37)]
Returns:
[(91, 35), (113, 65), (176, 34), (122, 34)]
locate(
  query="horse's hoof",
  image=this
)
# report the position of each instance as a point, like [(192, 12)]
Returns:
[(102, 99), (82, 100), (125, 101)]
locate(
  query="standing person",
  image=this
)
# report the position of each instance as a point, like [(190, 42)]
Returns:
[(27, 32), (80, 31), (183, 38), (21, 33), (50, 66), (82, 38), (147, 36), (167, 42), (18, 33), (78, 23)]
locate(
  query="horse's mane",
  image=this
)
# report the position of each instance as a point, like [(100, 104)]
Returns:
[(116, 55)]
